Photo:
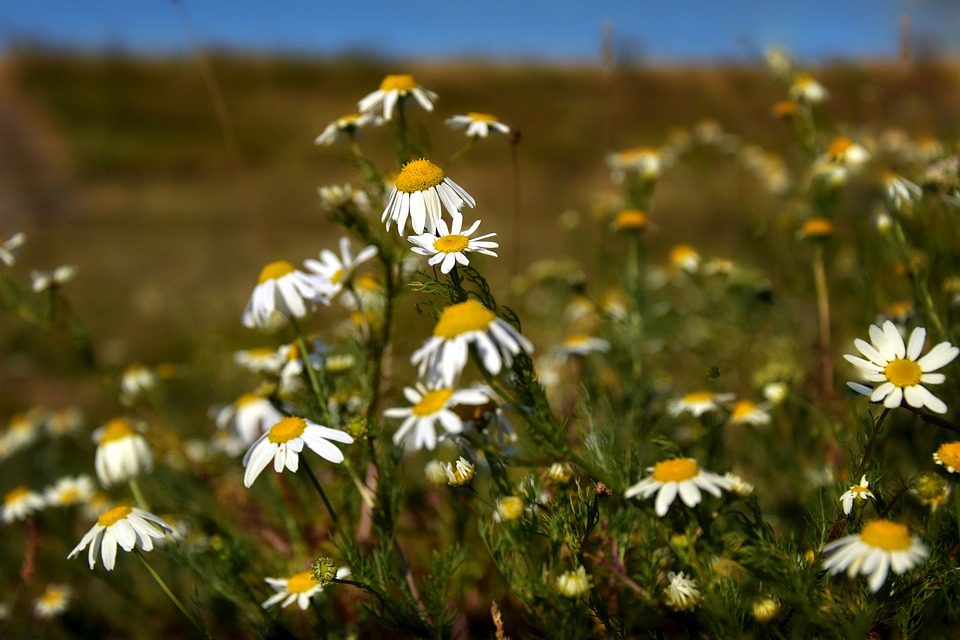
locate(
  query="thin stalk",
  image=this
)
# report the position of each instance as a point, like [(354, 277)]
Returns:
[(311, 374), (464, 150), (163, 585), (316, 485), (138, 494), (823, 316)]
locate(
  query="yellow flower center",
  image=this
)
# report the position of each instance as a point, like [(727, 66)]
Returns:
[(576, 340), (682, 253), (510, 507), (247, 399), (368, 283), (858, 490), (275, 270), (886, 535), (398, 82), (116, 429), (817, 228), (630, 219), (348, 120), (804, 80), (481, 117), (432, 402), (676, 470), (638, 153), (337, 276), (743, 409), (839, 146), (903, 372), (419, 175), (261, 352), (114, 515), (698, 397), (461, 318), (16, 495), (785, 108), (451, 244), (949, 454), (286, 430), (69, 495), (301, 582), (53, 596)]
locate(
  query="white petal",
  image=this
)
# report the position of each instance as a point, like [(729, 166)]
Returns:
[(664, 498), (915, 345)]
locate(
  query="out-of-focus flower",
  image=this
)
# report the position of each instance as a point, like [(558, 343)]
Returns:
[(137, 380), (248, 417), (644, 162), (69, 491), (682, 593), (337, 271), (901, 193), (260, 360), (432, 405), (421, 192), (8, 248), (393, 89), (345, 126), (738, 486), (509, 508), (285, 440), (122, 453), (448, 246), (573, 584), (698, 403), (681, 476), (630, 220), (930, 489), (283, 290), (806, 89), (23, 429), (778, 61), (125, 526), (816, 229), (581, 344), (19, 503), (948, 456), (880, 546), (43, 280), (53, 601), (336, 196), (478, 125), (64, 421), (856, 492), (776, 392), (765, 609), (683, 257), (459, 473), (748, 412)]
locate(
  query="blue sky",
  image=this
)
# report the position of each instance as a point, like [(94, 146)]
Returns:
[(560, 29)]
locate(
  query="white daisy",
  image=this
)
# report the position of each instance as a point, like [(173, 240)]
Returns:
[(682, 593), (8, 253), (747, 412), (260, 360), (284, 290), (69, 491), (432, 405), (449, 246), (392, 90), (421, 191), (478, 124), (136, 380), (347, 125), (53, 601), (298, 588), (64, 421), (683, 257), (680, 475), (19, 503), (645, 162), (23, 429), (698, 403), (459, 473), (336, 196), (126, 526), (581, 344), (284, 442), (248, 417), (573, 584), (291, 373), (899, 369), (900, 192), (336, 270), (122, 453), (806, 89), (880, 546), (845, 152), (856, 492), (43, 280), (948, 456), (444, 355)]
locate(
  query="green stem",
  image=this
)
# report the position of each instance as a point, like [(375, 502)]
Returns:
[(823, 316), (464, 150), (163, 585), (318, 393), (316, 485), (138, 494)]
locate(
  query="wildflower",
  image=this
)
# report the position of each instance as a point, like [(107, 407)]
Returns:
[(422, 191), (298, 588), (718, 266), (560, 472), (127, 526), (53, 601), (260, 360), (97, 504), (248, 417), (900, 192), (679, 475), (682, 593), (478, 125), (444, 355), (336, 196), (775, 392), (64, 421), (136, 380), (930, 489), (347, 125), (22, 430), (816, 228), (459, 473), (340, 362), (856, 492), (122, 453), (43, 280), (573, 584), (698, 403), (392, 90), (69, 491), (581, 344), (337, 271), (431, 406), (684, 257), (846, 152), (436, 473), (778, 61), (509, 508), (738, 486), (449, 246), (785, 109), (880, 546), (19, 503), (8, 253), (747, 412), (948, 456), (282, 289), (291, 373), (284, 442), (765, 609), (806, 89), (630, 220), (899, 368), (644, 162)]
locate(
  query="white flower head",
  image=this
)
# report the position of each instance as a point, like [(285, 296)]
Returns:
[(681, 476), (459, 473), (901, 193), (53, 601), (23, 429), (683, 257), (682, 593), (284, 441), (8, 248), (573, 584), (122, 453), (248, 417), (336, 270), (748, 412), (421, 191), (346, 126), (880, 546), (738, 486), (856, 492), (43, 280), (948, 456), (806, 89), (19, 503), (898, 369), (69, 491), (136, 380), (266, 360), (582, 344), (645, 162), (448, 246), (64, 421), (282, 290), (336, 196), (698, 403), (298, 588), (128, 527), (478, 125), (393, 89), (432, 405), (444, 355)]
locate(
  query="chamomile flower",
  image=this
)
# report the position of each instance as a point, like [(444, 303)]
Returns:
[(8, 248), (444, 355), (806, 89), (478, 125), (69, 491), (23, 430), (698, 403), (284, 441), (249, 416), (449, 246), (337, 196), (856, 492), (336, 271), (19, 503), (421, 192), (898, 368), (901, 193), (393, 89), (678, 476), (299, 588), (345, 126), (459, 473), (260, 360), (432, 405), (630, 220), (53, 601), (43, 280), (645, 162), (122, 453), (137, 380), (948, 456), (282, 290), (573, 584), (846, 152), (683, 257), (64, 421), (682, 593), (880, 546), (581, 344), (128, 527), (748, 412)]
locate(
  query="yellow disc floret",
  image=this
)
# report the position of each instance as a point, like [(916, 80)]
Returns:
[(419, 175), (698, 397), (816, 228), (432, 402), (246, 399), (301, 582), (886, 535), (630, 219), (287, 429), (462, 318), (453, 243), (115, 430), (903, 372), (743, 409), (676, 470), (114, 516), (275, 270), (839, 146), (16, 495), (949, 455), (401, 82), (481, 117)]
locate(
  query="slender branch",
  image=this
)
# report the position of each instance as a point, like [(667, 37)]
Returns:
[(316, 485), (173, 598), (823, 315)]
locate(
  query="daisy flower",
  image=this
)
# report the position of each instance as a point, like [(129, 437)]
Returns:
[(336, 270), (899, 370), (432, 405), (900, 192), (298, 588), (23, 429), (880, 546), (122, 453), (19, 503), (43, 280), (581, 344), (70, 491), (336, 196), (129, 527), (64, 421), (136, 380), (683, 257), (682, 593), (420, 190), (248, 417), (444, 355), (738, 486), (459, 473), (846, 152), (8, 253), (282, 289), (856, 492), (747, 412), (630, 220), (347, 125), (680, 475), (478, 125), (698, 403), (260, 360), (450, 244), (53, 601), (392, 90), (806, 89), (283, 443), (573, 584), (948, 456), (645, 162), (291, 373)]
